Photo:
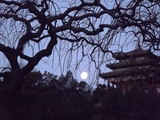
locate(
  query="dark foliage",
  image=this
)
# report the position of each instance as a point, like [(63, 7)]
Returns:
[(55, 101), (28, 24)]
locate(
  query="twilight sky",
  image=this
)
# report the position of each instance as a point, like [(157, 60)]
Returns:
[(61, 60)]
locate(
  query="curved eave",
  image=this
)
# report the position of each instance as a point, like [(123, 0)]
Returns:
[(129, 64), (124, 73), (134, 53)]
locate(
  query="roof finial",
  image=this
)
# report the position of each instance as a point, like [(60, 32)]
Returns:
[(139, 45)]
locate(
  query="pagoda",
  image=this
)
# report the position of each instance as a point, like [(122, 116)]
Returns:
[(135, 68)]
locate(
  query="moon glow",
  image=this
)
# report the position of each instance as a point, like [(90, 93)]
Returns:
[(84, 75)]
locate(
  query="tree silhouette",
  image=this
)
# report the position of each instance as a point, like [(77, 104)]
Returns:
[(57, 103), (87, 26), (68, 80)]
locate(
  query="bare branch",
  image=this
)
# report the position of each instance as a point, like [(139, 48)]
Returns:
[(91, 27)]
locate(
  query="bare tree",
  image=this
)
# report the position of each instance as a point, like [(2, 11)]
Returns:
[(78, 25)]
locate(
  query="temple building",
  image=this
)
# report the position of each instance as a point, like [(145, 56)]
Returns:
[(135, 68)]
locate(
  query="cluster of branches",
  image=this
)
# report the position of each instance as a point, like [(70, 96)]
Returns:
[(91, 27)]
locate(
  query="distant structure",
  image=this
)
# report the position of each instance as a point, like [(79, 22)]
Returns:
[(135, 68)]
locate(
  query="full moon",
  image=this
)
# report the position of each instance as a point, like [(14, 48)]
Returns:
[(84, 75)]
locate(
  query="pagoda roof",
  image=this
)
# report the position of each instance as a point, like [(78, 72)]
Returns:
[(130, 63), (123, 73), (135, 62), (134, 53)]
